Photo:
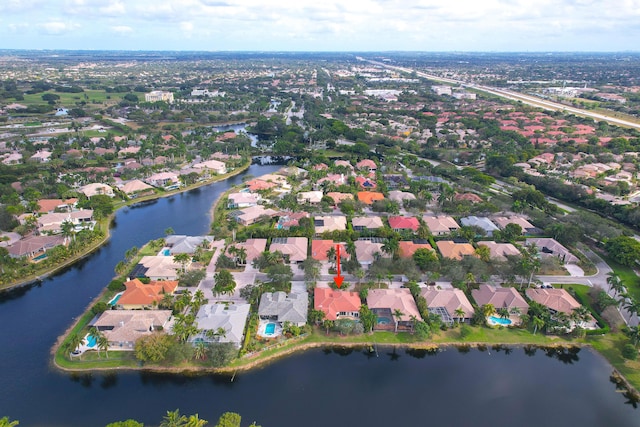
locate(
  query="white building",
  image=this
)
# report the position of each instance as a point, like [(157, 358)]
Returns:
[(158, 95)]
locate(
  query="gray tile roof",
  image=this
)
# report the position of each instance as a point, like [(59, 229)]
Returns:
[(283, 307)]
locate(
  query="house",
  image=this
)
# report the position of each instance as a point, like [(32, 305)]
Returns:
[(550, 247), (293, 171), (253, 248), (469, 197), (367, 164), (290, 219), (324, 224), (123, 328), (294, 249), (367, 251), (556, 300), (343, 163), (483, 223), (138, 295), (258, 184), (508, 298), (386, 303), (242, 200), (311, 197), (95, 189), (526, 226), (339, 197), (400, 196), (180, 244), (52, 205), (215, 166), (453, 250), (406, 249), (52, 222), (34, 246), (43, 156), (332, 178), (157, 268), (366, 183), (400, 223), (336, 304), (136, 187), (441, 224), (368, 197), (393, 181), (12, 159), (364, 223), (319, 249), (280, 307), (159, 96), (500, 251), (212, 318), (166, 180), (252, 214), (446, 303)]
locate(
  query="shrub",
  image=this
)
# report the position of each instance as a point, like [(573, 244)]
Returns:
[(465, 331), (100, 308), (116, 286), (629, 352)]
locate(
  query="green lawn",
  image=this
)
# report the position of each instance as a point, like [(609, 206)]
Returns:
[(609, 346), (627, 275), (69, 100)]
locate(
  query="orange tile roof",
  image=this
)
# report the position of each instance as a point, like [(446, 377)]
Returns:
[(319, 249), (368, 197), (137, 293), (406, 249), (333, 301), (48, 205)]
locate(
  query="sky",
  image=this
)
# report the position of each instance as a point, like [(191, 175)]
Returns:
[(322, 25)]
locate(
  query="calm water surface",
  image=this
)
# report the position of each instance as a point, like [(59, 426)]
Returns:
[(317, 388)]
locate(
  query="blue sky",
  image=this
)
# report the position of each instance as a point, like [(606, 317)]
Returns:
[(327, 25)]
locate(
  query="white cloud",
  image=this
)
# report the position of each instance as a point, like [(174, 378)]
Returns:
[(122, 29), (57, 27)]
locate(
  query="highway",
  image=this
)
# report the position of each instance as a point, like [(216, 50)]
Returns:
[(516, 96)]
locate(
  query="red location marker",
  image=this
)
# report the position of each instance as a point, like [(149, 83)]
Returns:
[(338, 278)]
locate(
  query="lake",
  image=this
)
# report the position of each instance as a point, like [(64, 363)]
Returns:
[(315, 388)]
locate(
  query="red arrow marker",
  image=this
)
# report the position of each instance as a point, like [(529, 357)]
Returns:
[(338, 278)]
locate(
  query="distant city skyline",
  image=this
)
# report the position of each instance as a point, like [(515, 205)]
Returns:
[(303, 25)]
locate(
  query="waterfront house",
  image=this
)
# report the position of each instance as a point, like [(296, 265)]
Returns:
[(556, 300), (280, 307), (138, 295), (180, 244), (166, 180), (95, 189), (34, 246), (215, 318), (446, 303), (252, 214), (51, 223), (209, 166), (336, 304), (499, 297), (242, 200), (157, 268), (123, 328), (395, 308), (135, 188)]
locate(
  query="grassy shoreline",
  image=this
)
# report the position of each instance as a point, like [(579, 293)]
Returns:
[(105, 224)]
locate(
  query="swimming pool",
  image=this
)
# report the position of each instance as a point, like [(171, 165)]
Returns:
[(270, 329), (91, 341), (384, 321), (115, 299), (166, 252), (499, 321), (40, 257)]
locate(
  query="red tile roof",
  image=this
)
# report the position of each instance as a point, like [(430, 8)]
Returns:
[(137, 293), (331, 302), (404, 223)]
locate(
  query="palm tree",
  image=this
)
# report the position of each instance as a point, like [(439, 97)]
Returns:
[(173, 419), (389, 278), (537, 323), (242, 255), (469, 279), (68, 230), (331, 255), (75, 341), (350, 247), (488, 310), (183, 260), (615, 283), (503, 313), (459, 312), (391, 247), (633, 332), (103, 344), (195, 421), (397, 314), (200, 351), (198, 299), (4, 422)]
